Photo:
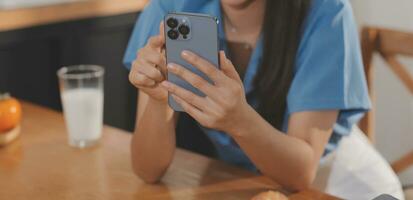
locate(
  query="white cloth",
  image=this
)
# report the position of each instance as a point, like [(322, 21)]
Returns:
[(355, 170)]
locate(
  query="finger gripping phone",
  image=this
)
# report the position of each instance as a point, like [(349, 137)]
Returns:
[(197, 33)]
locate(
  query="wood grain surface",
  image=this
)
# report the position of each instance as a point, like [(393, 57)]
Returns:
[(41, 165)]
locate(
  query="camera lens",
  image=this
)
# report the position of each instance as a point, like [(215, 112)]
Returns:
[(173, 34), (172, 22), (184, 29)]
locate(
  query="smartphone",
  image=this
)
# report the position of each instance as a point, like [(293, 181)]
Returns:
[(385, 197), (197, 33)]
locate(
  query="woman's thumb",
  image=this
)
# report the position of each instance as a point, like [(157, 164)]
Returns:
[(162, 29)]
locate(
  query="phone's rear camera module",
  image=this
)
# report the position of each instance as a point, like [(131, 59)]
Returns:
[(172, 23), (172, 34), (184, 29)]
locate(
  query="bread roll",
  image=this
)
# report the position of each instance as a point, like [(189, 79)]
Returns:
[(270, 195)]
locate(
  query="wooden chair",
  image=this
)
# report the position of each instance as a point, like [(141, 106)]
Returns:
[(389, 44)]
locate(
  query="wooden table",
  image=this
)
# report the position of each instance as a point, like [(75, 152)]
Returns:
[(40, 165), (28, 17)]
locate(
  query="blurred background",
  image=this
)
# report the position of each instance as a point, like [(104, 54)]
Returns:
[(37, 37), (36, 41), (394, 103)]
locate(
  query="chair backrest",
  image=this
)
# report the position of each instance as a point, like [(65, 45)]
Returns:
[(389, 44)]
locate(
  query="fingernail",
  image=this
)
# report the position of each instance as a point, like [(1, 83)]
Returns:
[(186, 53), (171, 66), (223, 54)]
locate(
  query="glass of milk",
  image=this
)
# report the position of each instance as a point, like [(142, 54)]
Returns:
[(81, 91)]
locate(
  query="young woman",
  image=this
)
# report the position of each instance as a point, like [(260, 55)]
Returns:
[(290, 88)]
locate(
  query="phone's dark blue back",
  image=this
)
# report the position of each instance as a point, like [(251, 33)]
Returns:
[(203, 40)]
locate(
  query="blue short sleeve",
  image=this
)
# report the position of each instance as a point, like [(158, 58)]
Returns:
[(329, 72), (146, 26)]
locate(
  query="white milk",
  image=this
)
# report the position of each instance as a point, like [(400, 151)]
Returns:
[(83, 110)]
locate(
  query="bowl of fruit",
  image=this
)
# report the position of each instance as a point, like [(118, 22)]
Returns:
[(10, 116)]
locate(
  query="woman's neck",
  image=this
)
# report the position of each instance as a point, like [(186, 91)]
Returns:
[(247, 18)]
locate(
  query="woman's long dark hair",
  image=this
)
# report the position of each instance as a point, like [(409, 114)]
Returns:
[(282, 29)]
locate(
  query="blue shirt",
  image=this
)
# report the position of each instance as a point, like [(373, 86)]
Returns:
[(328, 74)]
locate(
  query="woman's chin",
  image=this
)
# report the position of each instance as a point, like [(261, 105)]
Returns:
[(237, 3)]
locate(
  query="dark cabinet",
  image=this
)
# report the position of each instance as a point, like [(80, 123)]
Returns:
[(26, 71), (29, 59)]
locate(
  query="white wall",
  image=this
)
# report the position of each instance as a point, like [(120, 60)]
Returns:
[(394, 123)]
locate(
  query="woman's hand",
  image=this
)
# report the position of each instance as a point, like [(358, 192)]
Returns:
[(224, 105), (149, 69)]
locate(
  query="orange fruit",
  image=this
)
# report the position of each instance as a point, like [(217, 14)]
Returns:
[(10, 113)]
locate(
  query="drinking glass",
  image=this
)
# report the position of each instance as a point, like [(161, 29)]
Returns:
[(81, 92)]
